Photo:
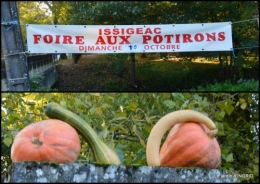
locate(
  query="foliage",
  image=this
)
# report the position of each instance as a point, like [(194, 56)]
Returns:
[(240, 85), (116, 62), (36, 83), (95, 73), (41, 12), (123, 121), (245, 31), (31, 13)]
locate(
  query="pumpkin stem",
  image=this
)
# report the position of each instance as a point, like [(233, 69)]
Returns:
[(35, 140), (212, 133)]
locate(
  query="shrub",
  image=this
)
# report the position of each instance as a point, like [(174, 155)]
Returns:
[(240, 85)]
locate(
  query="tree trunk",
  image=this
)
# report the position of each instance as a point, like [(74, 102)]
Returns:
[(231, 68), (220, 60), (143, 55), (75, 58), (132, 70), (63, 56)]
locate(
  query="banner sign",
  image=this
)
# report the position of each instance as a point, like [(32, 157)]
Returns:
[(129, 38)]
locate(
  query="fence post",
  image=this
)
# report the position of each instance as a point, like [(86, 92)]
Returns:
[(13, 48)]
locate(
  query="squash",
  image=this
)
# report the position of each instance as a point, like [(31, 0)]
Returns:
[(101, 152), (49, 140), (190, 143)]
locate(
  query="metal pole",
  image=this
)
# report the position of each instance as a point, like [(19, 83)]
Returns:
[(13, 48)]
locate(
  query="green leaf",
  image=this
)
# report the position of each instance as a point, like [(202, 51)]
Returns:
[(92, 110), (106, 106), (95, 94), (227, 166), (4, 95), (222, 106), (119, 149), (148, 120), (230, 158), (48, 96), (120, 118), (166, 95), (31, 102), (220, 129), (123, 129), (229, 109), (237, 104), (220, 115), (249, 100), (178, 96), (63, 103), (197, 97), (170, 104), (246, 147), (243, 106), (185, 104), (128, 160), (8, 141), (142, 142), (3, 113), (205, 103), (133, 106), (148, 128), (103, 133)]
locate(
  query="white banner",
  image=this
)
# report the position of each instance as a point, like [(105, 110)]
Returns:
[(129, 38)]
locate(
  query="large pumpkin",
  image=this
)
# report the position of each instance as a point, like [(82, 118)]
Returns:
[(49, 140), (189, 145)]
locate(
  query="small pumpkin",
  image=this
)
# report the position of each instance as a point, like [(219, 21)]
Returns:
[(189, 145), (49, 140)]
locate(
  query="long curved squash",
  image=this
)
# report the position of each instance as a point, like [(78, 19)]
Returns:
[(102, 153)]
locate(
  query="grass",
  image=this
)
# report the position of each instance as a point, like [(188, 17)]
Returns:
[(175, 76), (102, 73)]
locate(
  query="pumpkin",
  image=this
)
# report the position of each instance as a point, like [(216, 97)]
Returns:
[(188, 145), (49, 140), (101, 152)]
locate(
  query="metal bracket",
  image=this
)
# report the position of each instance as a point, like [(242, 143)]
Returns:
[(14, 53), (9, 23), (18, 81)]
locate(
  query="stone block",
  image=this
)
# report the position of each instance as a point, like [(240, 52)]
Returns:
[(32, 172)]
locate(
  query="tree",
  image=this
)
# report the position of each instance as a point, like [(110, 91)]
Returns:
[(43, 12), (58, 11), (30, 12), (179, 12), (124, 120), (245, 33), (239, 13), (110, 13)]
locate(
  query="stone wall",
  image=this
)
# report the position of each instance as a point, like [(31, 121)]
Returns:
[(31, 172)]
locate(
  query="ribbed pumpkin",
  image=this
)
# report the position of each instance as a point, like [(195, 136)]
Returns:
[(189, 145), (49, 140)]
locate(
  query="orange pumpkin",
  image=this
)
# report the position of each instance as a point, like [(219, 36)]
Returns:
[(49, 140), (190, 145)]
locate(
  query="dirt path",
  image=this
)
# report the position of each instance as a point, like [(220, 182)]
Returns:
[(77, 77)]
